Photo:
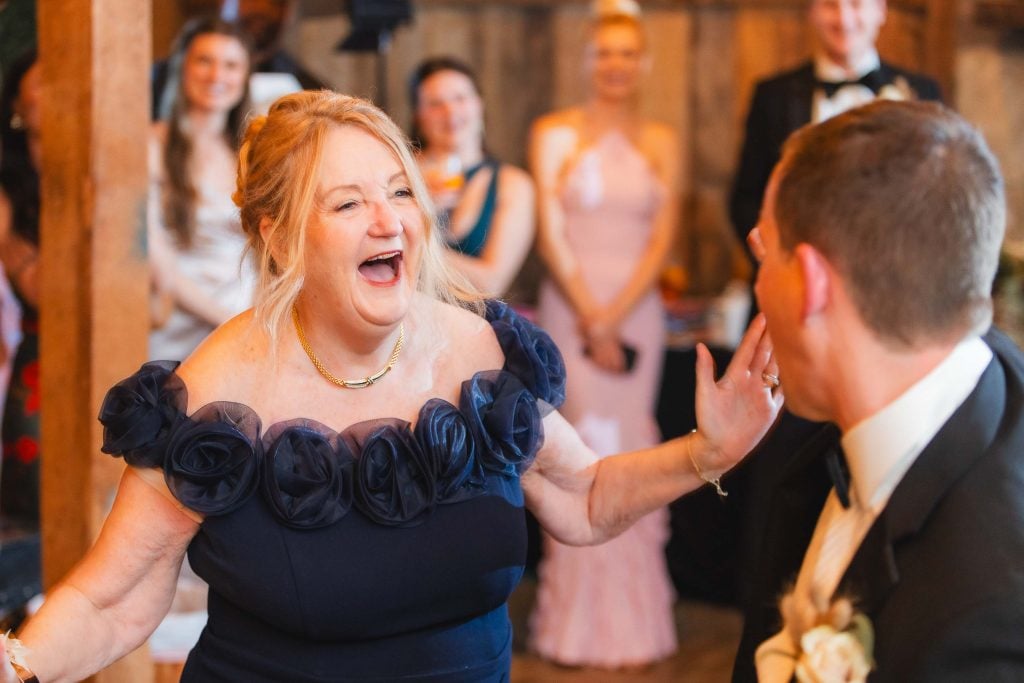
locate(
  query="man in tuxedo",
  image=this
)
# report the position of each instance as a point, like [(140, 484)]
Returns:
[(844, 72), (878, 244)]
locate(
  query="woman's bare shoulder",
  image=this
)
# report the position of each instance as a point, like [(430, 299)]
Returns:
[(514, 179), (564, 121), (467, 333), (228, 362)]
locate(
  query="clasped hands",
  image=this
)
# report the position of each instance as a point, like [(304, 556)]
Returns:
[(601, 341)]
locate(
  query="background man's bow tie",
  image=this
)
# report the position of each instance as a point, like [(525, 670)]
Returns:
[(872, 80)]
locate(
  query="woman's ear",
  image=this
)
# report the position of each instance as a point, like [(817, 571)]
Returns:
[(266, 225), (271, 245)]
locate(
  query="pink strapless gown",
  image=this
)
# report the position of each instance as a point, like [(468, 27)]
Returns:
[(609, 605)]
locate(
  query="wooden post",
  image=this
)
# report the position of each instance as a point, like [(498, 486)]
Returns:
[(95, 58), (940, 44)]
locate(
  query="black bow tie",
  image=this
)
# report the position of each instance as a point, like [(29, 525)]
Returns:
[(835, 462), (872, 80)]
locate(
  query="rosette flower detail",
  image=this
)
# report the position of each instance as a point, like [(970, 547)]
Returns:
[(530, 353), (139, 413), (307, 475), (444, 435), (504, 419), (395, 481), (212, 461)]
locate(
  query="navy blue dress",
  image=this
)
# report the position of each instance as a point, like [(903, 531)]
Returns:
[(384, 552)]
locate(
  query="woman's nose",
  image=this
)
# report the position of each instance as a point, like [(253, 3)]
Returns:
[(386, 221)]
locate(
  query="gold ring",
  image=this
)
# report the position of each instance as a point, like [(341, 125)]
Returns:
[(771, 381)]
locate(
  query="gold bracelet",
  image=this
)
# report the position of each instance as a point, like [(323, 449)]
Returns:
[(16, 652), (714, 481)]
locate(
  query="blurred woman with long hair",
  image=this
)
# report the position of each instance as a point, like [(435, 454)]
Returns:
[(195, 237)]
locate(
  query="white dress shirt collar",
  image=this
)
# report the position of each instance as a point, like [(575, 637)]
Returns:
[(827, 70), (880, 449)]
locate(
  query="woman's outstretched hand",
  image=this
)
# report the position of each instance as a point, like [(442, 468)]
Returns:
[(734, 413)]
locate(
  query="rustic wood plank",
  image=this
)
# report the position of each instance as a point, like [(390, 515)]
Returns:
[(940, 43), (94, 314), (321, 6), (1003, 14)]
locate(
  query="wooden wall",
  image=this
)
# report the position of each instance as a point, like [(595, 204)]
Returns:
[(707, 55)]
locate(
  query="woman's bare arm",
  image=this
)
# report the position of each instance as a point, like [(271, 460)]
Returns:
[(553, 142), (116, 596), (509, 239), (582, 500)]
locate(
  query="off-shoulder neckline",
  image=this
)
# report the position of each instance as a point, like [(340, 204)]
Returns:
[(496, 313)]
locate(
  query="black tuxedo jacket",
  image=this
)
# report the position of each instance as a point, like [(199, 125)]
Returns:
[(781, 105), (941, 572)]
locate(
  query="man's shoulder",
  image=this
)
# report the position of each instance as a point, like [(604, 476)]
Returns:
[(925, 87), (1007, 352), (803, 72)]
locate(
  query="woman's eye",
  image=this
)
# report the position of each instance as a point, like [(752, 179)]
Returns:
[(404, 192), (345, 206)]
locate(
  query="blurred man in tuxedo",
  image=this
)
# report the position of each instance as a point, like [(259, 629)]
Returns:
[(844, 72), (878, 243)]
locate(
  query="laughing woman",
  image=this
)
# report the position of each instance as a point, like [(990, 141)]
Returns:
[(347, 464)]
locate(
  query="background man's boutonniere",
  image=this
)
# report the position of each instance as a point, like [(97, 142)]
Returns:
[(899, 89)]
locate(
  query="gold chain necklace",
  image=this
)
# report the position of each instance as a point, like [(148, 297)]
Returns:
[(347, 383)]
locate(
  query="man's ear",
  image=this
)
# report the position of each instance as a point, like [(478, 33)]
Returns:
[(817, 276)]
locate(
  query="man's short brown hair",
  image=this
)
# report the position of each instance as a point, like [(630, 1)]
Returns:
[(906, 201)]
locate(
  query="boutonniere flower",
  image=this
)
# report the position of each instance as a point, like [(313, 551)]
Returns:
[(899, 89), (836, 648)]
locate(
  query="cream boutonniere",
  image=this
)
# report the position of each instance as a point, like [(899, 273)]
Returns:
[(834, 647), (899, 89)]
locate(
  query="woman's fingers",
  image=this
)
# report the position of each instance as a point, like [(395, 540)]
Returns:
[(753, 352), (705, 367)]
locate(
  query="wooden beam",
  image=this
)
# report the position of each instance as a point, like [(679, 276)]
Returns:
[(326, 7), (1003, 14), (95, 58), (940, 44)]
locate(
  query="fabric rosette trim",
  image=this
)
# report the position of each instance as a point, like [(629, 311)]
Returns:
[(311, 476), (530, 355)]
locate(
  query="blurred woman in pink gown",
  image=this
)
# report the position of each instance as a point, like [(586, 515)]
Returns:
[(606, 189)]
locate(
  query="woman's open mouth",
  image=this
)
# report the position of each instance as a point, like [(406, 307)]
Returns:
[(382, 269)]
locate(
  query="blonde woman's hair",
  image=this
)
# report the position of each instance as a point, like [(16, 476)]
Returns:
[(616, 13), (277, 180), (604, 8)]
